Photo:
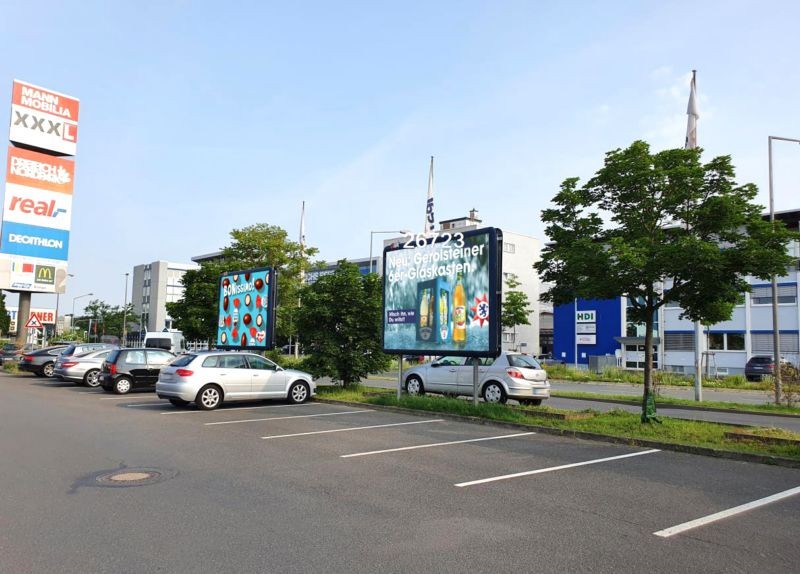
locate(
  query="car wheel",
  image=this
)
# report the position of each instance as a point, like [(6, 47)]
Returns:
[(92, 378), (48, 370), (534, 402), (298, 393), (178, 402), (122, 386), (414, 386), (209, 398), (493, 392)]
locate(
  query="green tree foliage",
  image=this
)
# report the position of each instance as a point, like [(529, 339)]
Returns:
[(341, 325), (105, 319), (657, 228), (259, 245), (516, 306), (5, 318)]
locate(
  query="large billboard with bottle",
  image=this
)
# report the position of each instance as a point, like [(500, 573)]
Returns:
[(246, 318), (442, 294)]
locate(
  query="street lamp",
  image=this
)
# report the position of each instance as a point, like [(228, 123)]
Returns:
[(58, 295), (371, 233), (776, 337), (125, 313), (73, 305)]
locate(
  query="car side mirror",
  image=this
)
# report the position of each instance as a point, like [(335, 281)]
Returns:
[(436, 364)]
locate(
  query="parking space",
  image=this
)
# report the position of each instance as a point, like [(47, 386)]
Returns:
[(662, 496)]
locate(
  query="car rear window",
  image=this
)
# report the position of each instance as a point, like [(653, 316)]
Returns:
[(760, 360), (160, 343), (69, 350), (523, 361), (183, 360), (112, 358)]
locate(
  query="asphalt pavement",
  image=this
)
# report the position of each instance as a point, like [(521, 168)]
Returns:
[(269, 487)]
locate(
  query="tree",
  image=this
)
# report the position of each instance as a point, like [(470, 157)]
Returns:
[(5, 318), (259, 245), (676, 230), (516, 306), (105, 319), (341, 323)]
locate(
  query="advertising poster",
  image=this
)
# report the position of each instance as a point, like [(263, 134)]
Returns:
[(43, 119), (442, 295), (246, 317)]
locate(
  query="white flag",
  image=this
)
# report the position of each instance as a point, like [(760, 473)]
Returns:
[(691, 110), (430, 225)]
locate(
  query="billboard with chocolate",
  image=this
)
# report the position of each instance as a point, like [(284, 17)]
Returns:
[(246, 317), (442, 294)]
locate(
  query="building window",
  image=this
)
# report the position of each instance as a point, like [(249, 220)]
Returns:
[(509, 247), (762, 343), (637, 329), (678, 341), (726, 341), (762, 295), (508, 338)]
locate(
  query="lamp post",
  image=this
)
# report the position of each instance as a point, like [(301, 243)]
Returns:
[(58, 295), (776, 337), (73, 305), (371, 233), (125, 313)]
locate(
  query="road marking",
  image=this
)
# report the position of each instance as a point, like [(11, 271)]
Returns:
[(554, 468), (132, 405), (292, 417), (352, 428), (123, 398), (224, 410), (435, 444), (667, 532)]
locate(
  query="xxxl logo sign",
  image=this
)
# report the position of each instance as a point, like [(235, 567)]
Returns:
[(61, 129)]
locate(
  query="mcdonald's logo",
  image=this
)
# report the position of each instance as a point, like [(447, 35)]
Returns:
[(45, 274)]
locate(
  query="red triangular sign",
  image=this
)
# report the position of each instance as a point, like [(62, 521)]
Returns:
[(34, 323)]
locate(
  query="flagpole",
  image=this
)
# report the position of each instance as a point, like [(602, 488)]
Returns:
[(302, 271), (429, 217)]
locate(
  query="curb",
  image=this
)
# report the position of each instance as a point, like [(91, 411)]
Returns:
[(679, 407), (686, 449)]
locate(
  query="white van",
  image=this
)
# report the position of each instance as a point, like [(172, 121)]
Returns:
[(172, 341)]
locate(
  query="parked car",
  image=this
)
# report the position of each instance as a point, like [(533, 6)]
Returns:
[(82, 369), (210, 378), (42, 362), (127, 369), (549, 360), (10, 352), (81, 348), (760, 365), (509, 376)]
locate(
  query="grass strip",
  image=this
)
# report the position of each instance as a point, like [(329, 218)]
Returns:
[(617, 423), (665, 401)]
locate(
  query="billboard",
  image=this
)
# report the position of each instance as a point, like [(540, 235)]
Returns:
[(45, 316), (442, 295), (246, 312), (43, 119)]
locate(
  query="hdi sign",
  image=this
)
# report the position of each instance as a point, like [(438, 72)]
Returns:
[(585, 317)]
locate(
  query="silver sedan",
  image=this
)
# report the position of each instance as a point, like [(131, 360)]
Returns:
[(83, 369), (211, 378), (509, 376)]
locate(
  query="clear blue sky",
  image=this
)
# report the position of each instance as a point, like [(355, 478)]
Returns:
[(200, 117)]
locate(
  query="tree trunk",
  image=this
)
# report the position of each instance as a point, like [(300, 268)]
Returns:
[(648, 399)]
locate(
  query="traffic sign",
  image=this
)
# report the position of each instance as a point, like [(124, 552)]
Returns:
[(34, 323)]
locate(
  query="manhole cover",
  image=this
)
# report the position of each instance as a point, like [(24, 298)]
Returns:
[(131, 477)]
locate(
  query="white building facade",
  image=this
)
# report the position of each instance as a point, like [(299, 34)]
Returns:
[(154, 285)]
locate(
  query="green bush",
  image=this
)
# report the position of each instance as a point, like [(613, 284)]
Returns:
[(11, 367)]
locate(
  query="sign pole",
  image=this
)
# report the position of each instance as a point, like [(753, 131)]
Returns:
[(475, 362), (400, 378), (23, 312)]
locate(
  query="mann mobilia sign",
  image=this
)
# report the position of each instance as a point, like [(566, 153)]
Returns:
[(37, 209)]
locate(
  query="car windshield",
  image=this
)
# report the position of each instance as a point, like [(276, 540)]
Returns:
[(523, 361), (69, 350)]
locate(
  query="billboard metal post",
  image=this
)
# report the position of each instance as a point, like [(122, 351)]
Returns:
[(400, 379), (475, 376)]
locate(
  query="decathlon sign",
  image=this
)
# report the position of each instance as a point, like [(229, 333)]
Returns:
[(43, 119), (34, 241)]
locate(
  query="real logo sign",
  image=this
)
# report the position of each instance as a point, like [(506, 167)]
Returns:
[(29, 206)]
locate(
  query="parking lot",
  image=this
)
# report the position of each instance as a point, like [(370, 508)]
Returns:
[(320, 487)]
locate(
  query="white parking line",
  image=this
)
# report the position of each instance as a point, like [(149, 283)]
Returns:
[(667, 532), (125, 398), (132, 405), (224, 410), (284, 418), (435, 444), (554, 468), (352, 429)]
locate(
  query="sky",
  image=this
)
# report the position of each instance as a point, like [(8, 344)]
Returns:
[(198, 117)]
